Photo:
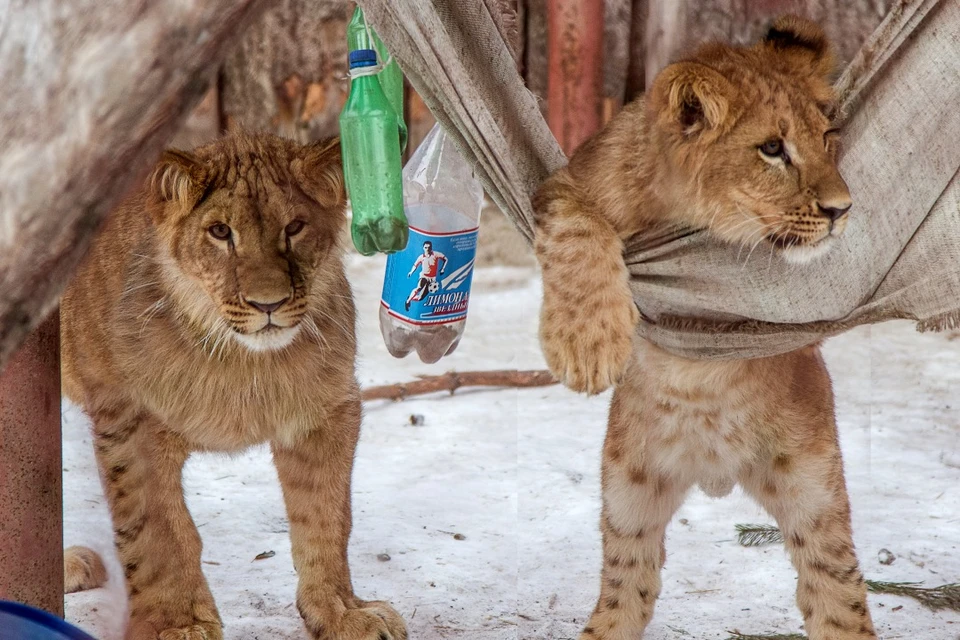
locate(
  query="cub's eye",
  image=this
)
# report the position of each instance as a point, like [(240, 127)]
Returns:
[(220, 231), (294, 228), (772, 148)]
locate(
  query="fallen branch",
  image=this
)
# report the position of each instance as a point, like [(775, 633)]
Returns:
[(736, 635), (756, 535), (946, 596), (451, 381)]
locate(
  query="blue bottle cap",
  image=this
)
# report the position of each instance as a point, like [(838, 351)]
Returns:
[(362, 58), (20, 622)]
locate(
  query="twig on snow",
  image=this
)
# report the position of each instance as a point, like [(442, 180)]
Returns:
[(756, 535), (946, 596), (452, 380)]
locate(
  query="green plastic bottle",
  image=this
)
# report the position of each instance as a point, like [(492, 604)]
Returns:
[(372, 136), (390, 76)]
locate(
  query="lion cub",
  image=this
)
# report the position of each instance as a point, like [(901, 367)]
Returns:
[(212, 314), (734, 140)]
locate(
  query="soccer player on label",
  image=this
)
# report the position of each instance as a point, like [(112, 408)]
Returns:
[(428, 262)]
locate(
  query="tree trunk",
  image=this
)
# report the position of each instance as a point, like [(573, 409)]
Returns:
[(535, 49), (617, 28), (636, 76), (288, 75), (204, 124), (575, 71), (95, 89), (673, 27), (617, 49)]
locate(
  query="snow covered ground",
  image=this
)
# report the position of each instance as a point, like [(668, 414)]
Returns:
[(515, 472)]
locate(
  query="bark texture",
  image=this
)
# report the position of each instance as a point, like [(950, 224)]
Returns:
[(288, 74), (95, 89)]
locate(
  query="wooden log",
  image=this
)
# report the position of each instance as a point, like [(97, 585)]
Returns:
[(94, 90)]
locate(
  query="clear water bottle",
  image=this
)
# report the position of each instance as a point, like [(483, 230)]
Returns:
[(426, 288)]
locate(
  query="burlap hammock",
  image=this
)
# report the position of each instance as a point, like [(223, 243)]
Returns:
[(900, 255)]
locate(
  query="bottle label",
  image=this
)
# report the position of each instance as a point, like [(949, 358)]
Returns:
[(428, 283)]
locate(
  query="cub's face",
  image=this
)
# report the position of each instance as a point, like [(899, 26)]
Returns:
[(748, 128), (250, 227)]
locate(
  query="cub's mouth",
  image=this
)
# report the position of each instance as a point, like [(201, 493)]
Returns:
[(270, 337), (270, 327), (788, 240), (798, 249)]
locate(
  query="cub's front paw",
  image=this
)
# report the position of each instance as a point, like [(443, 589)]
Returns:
[(159, 617), (366, 621), (588, 347), (141, 630)]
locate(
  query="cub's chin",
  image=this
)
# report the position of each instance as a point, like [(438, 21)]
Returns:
[(271, 338), (804, 253)]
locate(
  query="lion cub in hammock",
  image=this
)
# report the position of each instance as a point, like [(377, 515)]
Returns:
[(212, 314), (734, 140)]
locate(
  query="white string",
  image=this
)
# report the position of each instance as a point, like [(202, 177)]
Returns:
[(359, 72), (381, 64)]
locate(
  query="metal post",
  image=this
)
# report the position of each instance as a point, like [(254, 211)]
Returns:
[(575, 70), (31, 492)]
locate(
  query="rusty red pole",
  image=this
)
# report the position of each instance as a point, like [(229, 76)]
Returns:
[(574, 70), (31, 492)]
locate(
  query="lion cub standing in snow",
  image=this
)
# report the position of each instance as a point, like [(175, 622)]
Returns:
[(734, 140), (212, 314)]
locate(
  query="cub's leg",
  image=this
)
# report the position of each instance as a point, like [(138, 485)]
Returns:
[(803, 488), (588, 318), (638, 503), (156, 539), (315, 477)]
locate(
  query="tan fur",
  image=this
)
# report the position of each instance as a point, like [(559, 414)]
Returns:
[(165, 348), (82, 569), (689, 153)]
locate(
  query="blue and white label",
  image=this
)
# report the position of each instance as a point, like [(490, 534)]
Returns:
[(429, 281)]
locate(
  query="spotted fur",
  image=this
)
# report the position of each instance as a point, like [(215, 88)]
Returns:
[(736, 141), (178, 336)]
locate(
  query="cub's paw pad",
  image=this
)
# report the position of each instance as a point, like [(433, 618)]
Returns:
[(369, 621), (142, 630)]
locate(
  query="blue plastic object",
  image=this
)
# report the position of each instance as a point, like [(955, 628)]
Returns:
[(362, 58), (20, 622)]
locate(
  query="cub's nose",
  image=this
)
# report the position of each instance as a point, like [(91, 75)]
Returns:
[(834, 210), (267, 307)]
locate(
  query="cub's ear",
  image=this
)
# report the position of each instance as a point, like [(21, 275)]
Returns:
[(689, 97), (318, 170), (179, 177), (803, 39)]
